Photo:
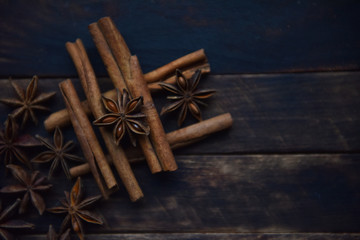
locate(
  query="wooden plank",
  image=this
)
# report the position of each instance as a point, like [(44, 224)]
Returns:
[(238, 36), (272, 113), (238, 194), (217, 236), (284, 113)]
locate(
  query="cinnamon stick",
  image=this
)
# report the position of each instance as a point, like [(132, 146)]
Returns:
[(117, 78), (116, 43), (84, 132), (138, 87), (179, 138), (107, 56), (149, 154), (103, 166), (61, 118), (193, 133), (192, 59), (93, 94)]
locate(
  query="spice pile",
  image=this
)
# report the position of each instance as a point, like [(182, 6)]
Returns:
[(125, 114)]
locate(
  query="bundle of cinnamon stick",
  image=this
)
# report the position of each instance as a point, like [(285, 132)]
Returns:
[(177, 139), (125, 72)]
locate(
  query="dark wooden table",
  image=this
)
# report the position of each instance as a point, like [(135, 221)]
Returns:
[(287, 71)]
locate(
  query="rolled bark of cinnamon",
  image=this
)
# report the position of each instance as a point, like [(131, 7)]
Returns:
[(194, 133), (116, 75), (85, 134), (138, 87), (116, 43), (149, 154), (193, 59), (106, 55), (93, 94), (179, 138), (61, 118)]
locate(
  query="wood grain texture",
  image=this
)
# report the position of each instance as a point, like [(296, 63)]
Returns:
[(260, 176), (234, 194), (287, 169), (238, 36), (218, 236), (288, 113)]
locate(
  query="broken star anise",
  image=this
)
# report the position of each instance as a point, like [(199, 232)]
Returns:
[(30, 184), (51, 235), (126, 115), (187, 97), (58, 152), (11, 144), (27, 101), (7, 223), (75, 208)]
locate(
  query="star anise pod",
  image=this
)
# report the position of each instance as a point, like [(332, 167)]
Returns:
[(7, 223), (11, 143), (58, 152), (51, 235), (27, 101), (126, 115), (187, 97), (75, 208), (30, 184)]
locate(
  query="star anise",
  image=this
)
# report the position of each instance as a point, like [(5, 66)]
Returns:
[(27, 101), (75, 208), (11, 143), (126, 115), (30, 184), (51, 235), (187, 97), (7, 223), (58, 152)]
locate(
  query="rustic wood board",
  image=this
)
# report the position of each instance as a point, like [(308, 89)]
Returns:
[(289, 164), (238, 36), (244, 193), (273, 113), (287, 169)]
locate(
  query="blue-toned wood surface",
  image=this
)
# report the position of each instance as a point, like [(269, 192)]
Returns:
[(287, 71), (238, 36)]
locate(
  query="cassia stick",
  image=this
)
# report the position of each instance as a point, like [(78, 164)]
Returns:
[(84, 132)]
